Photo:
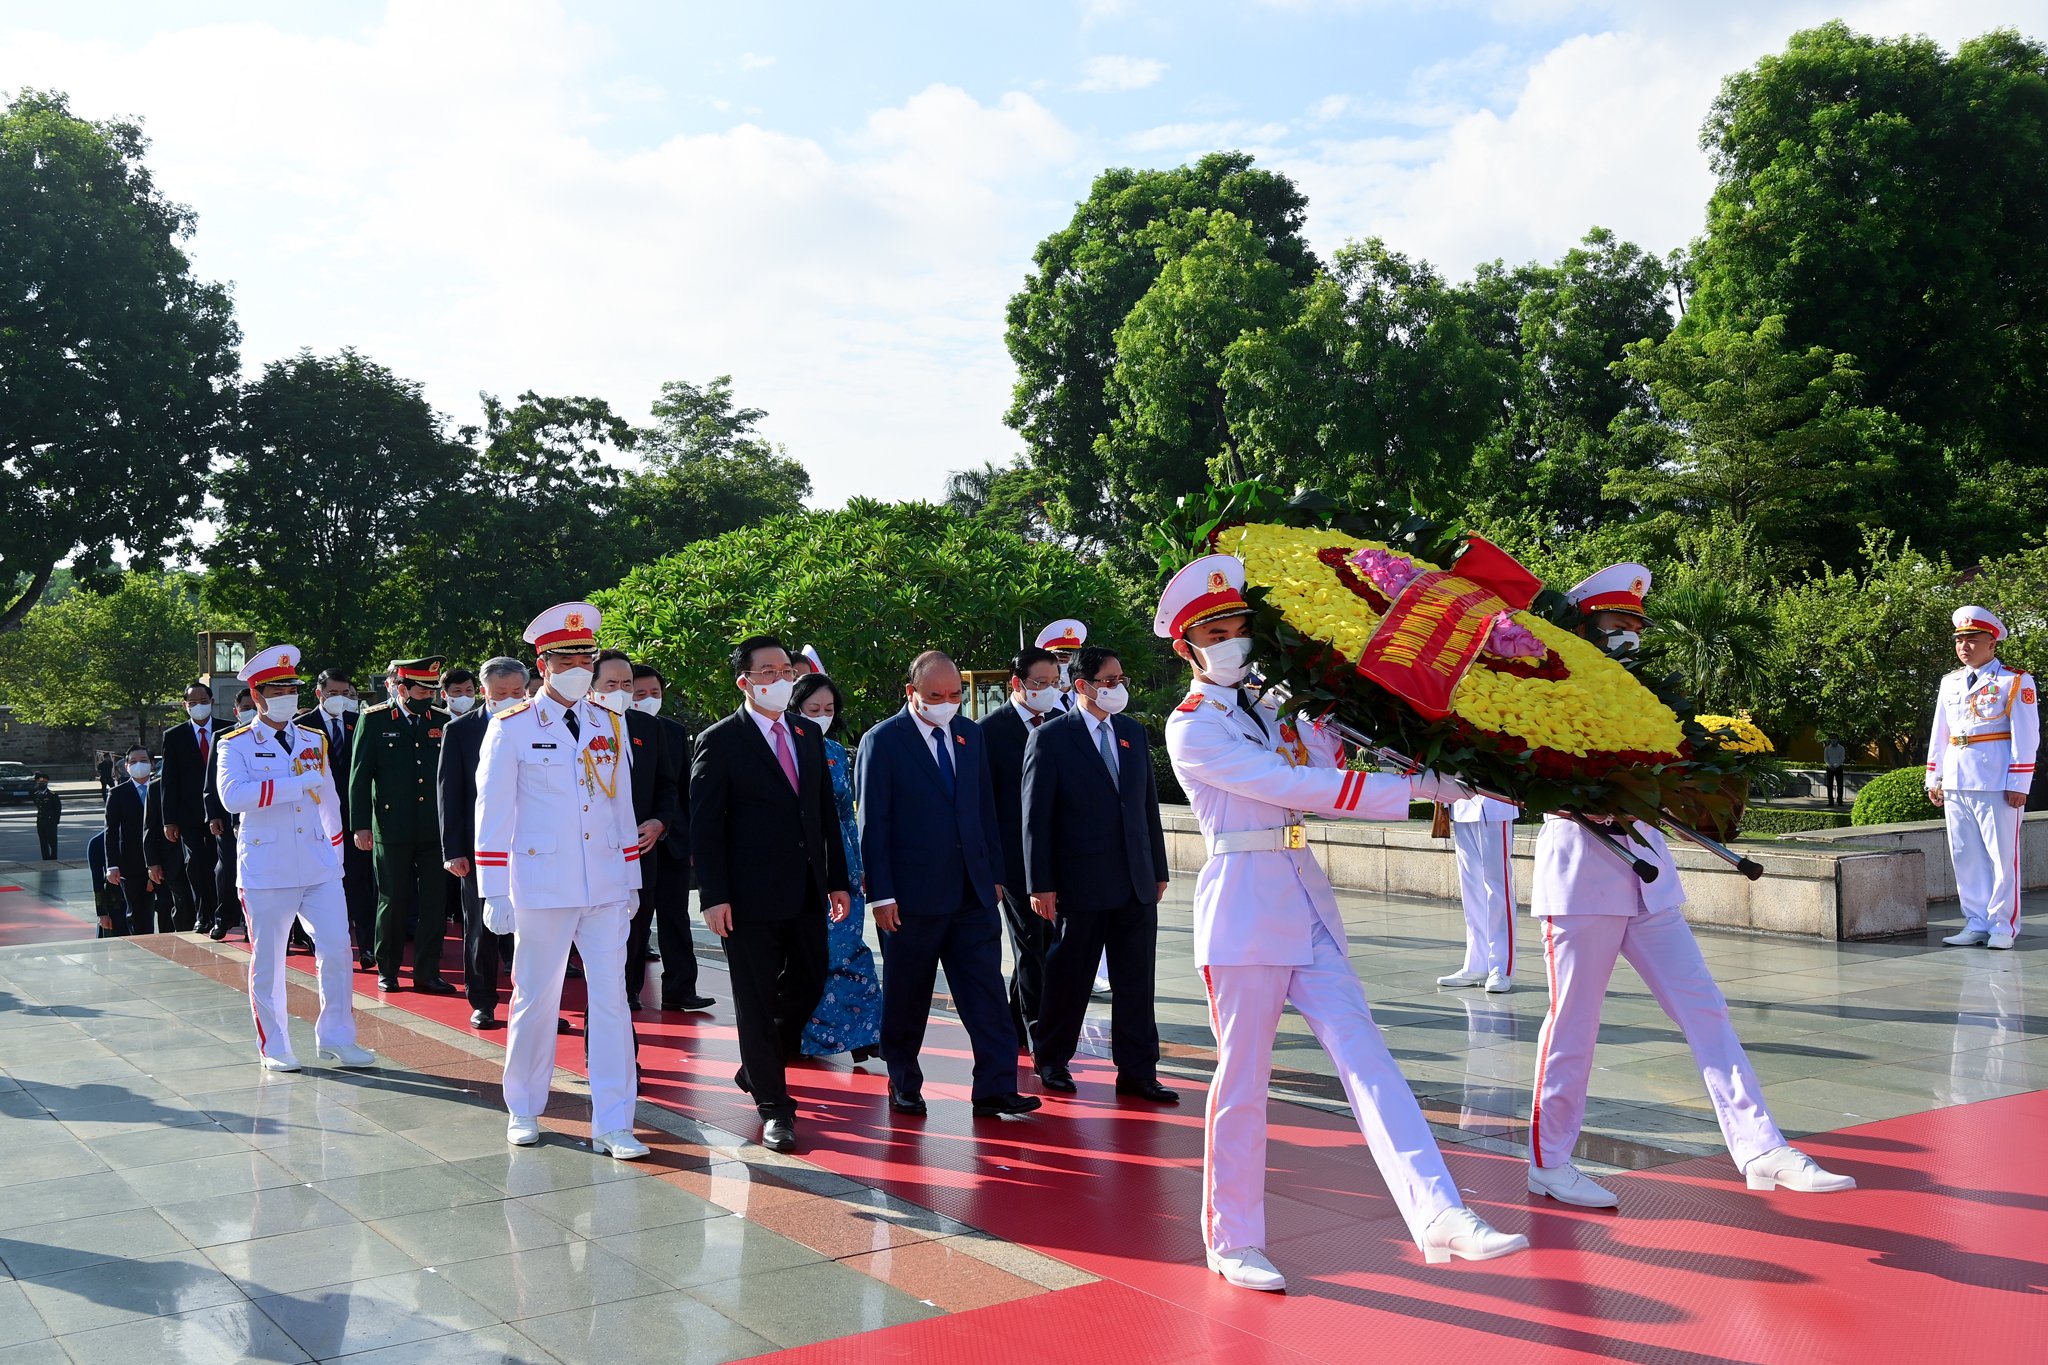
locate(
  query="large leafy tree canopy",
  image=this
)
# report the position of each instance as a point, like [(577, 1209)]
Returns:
[(78, 659), (116, 366)]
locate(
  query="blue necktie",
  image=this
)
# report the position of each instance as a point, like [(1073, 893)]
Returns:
[(1108, 752), (945, 762)]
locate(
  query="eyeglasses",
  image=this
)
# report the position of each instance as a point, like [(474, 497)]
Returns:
[(770, 675), (1118, 681)]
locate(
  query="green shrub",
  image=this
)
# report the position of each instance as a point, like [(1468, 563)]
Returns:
[(1898, 795), (1765, 820)]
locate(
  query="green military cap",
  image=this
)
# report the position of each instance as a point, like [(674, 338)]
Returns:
[(419, 672)]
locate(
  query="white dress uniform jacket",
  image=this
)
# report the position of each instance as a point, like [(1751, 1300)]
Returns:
[(547, 833), (1261, 909), (1575, 875), (1984, 737), (278, 782), (1473, 809)]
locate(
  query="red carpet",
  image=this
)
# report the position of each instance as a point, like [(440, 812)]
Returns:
[(27, 918), (1930, 1260)]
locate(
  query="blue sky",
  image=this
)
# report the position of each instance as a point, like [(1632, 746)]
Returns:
[(832, 202)]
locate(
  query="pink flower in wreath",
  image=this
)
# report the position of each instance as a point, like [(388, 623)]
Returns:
[(1389, 572), (1509, 640)]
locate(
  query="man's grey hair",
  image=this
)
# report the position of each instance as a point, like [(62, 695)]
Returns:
[(503, 667), (925, 662)]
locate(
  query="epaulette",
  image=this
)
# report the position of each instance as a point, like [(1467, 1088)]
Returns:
[(373, 710), (1193, 702), (239, 730), (514, 710)]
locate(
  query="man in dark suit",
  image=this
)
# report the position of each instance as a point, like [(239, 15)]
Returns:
[(504, 684), (107, 904), (187, 748), (658, 780), (765, 836), (224, 825), (127, 847), (170, 894), (1034, 699), (335, 717), (670, 867), (1095, 853), (931, 850)]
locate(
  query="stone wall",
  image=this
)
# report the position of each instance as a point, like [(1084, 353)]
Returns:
[(1929, 838), (72, 753)]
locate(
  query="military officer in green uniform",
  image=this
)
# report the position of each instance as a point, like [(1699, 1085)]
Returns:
[(392, 812)]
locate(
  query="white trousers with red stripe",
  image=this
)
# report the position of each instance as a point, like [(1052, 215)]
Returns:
[(1579, 953), (1486, 881), (542, 939), (323, 909), (1984, 845), (1244, 1010)]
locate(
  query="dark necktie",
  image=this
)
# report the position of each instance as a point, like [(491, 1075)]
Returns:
[(569, 719), (939, 748), (1037, 721), (1245, 701), (1972, 679)]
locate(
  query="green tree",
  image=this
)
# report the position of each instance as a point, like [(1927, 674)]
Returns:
[(707, 471), (870, 585), (1085, 280), (338, 468), (1011, 497), (78, 660), (116, 366)]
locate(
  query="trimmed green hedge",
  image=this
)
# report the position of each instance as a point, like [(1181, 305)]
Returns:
[(1766, 820), (1897, 796)]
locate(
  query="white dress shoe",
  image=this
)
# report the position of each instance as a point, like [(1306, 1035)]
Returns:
[(1567, 1184), (1789, 1168), (622, 1145), (1462, 1233), (1461, 979), (280, 1064), (1248, 1268), (1969, 938), (348, 1054), (522, 1131), (1499, 983), (2000, 941)]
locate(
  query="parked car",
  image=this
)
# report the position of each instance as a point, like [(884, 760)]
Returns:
[(17, 784)]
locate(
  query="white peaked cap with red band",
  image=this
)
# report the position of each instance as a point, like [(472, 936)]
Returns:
[(1065, 633), (811, 652), (564, 626), (279, 663), (1210, 587), (1977, 621), (1618, 587)]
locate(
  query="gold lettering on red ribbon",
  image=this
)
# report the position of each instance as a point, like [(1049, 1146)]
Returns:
[(1428, 638)]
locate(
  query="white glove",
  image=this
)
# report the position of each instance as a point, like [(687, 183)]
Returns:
[(1429, 785), (498, 914)]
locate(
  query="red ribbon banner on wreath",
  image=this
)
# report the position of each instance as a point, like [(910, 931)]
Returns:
[(1434, 629)]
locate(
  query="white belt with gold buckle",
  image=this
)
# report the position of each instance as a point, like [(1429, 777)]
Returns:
[(1260, 840)]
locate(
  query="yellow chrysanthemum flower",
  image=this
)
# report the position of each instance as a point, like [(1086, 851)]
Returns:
[(1738, 734)]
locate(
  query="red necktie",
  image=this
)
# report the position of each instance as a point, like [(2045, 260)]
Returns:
[(784, 756), (1037, 721), (202, 743)]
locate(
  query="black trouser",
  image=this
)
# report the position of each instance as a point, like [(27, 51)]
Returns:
[(1030, 936), (359, 889), (227, 881), (1838, 784), (667, 907), (202, 856), (141, 900), (483, 952), (410, 877), (778, 974), (1130, 933), (46, 836), (968, 943)]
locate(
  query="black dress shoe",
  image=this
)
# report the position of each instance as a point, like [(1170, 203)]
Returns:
[(387, 983), (995, 1106), (1148, 1089), (562, 1025), (217, 932), (687, 1002), (654, 954), (434, 985), (866, 1054), (572, 972), (633, 1004), (739, 1078), (482, 1019), (366, 962), (779, 1135), (906, 1104), (1057, 1079)]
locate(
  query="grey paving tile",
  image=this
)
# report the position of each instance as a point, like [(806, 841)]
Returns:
[(673, 1328), (471, 1232), (499, 1345), (50, 1155), (174, 1182), (19, 1321), (686, 1254), (130, 1115), (551, 1279), (810, 1303), (390, 1194), (373, 1314), (621, 1206), (313, 1259), (46, 1249), (78, 1196), (250, 1214), (226, 1335), (45, 1352), (123, 1291), (552, 1165), (316, 1156), (126, 1151)]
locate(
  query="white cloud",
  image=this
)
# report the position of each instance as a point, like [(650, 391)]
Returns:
[(754, 61), (1117, 74)]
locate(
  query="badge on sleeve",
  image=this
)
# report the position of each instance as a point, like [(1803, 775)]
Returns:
[(2027, 695)]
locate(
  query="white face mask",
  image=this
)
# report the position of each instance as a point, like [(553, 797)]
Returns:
[(1226, 663), (615, 701), (494, 707), (246, 716), (824, 723), (281, 708), (650, 706), (1622, 641), (200, 710), (938, 713), (1066, 677), (571, 684), (139, 771), (1113, 699), (337, 705), (772, 698), (460, 704), (1041, 699)]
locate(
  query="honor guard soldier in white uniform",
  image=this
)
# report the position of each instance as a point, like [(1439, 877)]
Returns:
[(1484, 831), (1063, 639), (1268, 933), (557, 864), (1980, 766), (1595, 910), (275, 775)]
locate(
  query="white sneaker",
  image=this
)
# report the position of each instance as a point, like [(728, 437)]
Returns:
[(1462, 1233), (1791, 1169), (1461, 978), (1499, 983), (522, 1131), (622, 1145), (280, 1064), (1248, 1268), (2000, 941), (348, 1054), (1969, 938), (1567, 1184)]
